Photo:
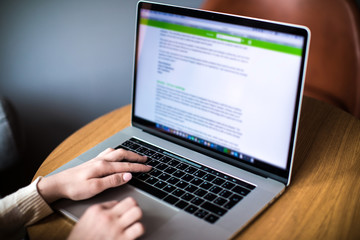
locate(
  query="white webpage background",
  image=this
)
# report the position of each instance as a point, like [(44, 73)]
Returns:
[(263, 88)]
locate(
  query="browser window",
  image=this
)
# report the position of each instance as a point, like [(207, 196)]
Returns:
[(200, 80)]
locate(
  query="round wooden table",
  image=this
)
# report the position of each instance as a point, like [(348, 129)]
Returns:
[(322, 201)]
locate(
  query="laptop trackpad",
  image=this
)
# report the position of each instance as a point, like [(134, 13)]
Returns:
[(155, 213)]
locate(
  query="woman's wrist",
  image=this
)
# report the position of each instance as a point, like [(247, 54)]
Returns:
[(49, 189)]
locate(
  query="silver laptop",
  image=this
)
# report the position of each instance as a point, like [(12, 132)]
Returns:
[(216, 103)]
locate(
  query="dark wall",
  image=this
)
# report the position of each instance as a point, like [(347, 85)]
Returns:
[(63, 63)]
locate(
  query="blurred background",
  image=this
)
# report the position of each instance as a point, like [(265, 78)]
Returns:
[(63, 63)]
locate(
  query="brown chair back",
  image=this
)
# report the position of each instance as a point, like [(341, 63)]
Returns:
[(333, 73)]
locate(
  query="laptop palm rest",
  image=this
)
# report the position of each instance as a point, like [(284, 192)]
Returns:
[(155, 214)]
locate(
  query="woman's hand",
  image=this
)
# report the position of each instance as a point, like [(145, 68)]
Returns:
[(105, 171), (110, 220)]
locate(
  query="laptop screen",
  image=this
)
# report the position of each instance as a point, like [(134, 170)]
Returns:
[(226, 84)]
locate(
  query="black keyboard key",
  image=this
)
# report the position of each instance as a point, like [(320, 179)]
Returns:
[(164, 176), (187, 177), (218, 181), (149, 153), (191, 209), (182, 166), (178, 173), (131, 145), (169, 188), (210, 196), (228, 185), (152, 180), (187, 196), (155, 172), (171, 199), (182, 184), (233, 200), (148, 188), (199, 173), (225, 193), (161, 166), (191, 188), (206, 185), (152, 162), (126, 143), (181, 204), (173, 180), (170, 170), (201, 213), (160, 184), (209, 177), (178, 192), (242, 183), (240, 190), (215, 189), (216, 173), (142, 150), (190, 170), (197, 201), (157, 156), (211, 218), (247, 185), (143, 176), (229, 205), (226, 177), (197, 181), (166, 159), (136, 174), (173, 162), (200, 192), (122, 147), (214, 209), (220, 201)]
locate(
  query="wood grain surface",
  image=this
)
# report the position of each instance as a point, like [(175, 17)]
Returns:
[(322, 202)]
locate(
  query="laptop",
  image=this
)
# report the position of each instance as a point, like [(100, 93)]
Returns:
[(215, 107)]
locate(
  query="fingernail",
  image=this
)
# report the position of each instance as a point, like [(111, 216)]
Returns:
[(127, 176)]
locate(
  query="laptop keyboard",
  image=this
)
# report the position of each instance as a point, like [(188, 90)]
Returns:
[(204, 192)]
